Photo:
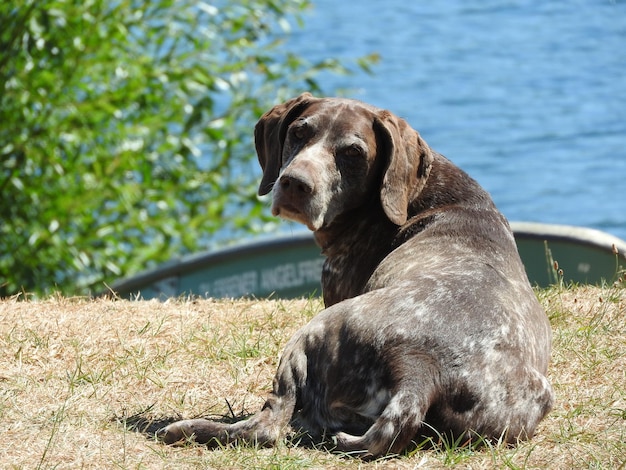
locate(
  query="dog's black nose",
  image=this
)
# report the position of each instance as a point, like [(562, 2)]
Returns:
[(295, 184)]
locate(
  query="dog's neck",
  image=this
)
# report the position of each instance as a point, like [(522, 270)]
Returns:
[(356, 243), (353, 245)]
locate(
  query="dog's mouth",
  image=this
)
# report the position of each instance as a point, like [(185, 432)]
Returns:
[(290, 212), (285, 210)]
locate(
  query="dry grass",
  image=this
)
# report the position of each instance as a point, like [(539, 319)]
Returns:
[(77, 377)]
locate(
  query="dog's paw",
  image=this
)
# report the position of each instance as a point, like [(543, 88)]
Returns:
[(349, 444), (179, 433)]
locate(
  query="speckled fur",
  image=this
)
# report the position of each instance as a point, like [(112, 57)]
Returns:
[(431, 324)]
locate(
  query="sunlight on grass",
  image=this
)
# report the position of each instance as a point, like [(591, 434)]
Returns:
[(85, 383)]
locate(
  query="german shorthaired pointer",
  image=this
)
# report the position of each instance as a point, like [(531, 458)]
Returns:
[(431, 327)]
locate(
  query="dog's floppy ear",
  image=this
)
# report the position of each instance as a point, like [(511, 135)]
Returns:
[(269, 137), (408, 163)]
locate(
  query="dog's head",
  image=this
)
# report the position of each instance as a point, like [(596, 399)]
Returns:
[(326, 156)]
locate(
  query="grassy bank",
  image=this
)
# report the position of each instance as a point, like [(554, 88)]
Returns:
[(80, 378)]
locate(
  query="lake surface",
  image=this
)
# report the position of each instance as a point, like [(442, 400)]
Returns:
[(528, 97)]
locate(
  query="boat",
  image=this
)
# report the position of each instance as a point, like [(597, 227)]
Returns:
[(290, 266)]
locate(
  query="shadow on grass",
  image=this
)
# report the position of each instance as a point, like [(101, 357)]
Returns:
[(452, 449), (144, 422), (147, 424)]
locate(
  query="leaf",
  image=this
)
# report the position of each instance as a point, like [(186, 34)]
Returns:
[(126, 131)]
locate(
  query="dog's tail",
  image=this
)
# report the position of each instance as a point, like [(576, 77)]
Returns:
[(264, 428)]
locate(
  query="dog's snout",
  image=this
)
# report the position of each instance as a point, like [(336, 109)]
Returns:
[(295, 184)]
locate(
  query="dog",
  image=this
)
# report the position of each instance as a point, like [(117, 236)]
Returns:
[(431, 327)]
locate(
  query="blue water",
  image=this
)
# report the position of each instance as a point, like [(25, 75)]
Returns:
[(528, 97)]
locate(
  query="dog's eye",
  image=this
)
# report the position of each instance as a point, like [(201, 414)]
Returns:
[(300, 132), (352, 151)]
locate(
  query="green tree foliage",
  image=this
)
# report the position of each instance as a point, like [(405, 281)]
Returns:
[(126, 131)]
